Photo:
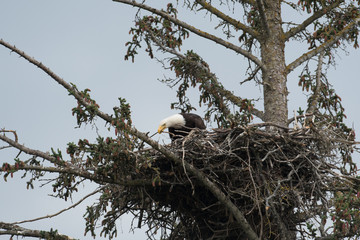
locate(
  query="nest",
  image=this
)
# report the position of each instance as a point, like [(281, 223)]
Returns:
[(277, 180)]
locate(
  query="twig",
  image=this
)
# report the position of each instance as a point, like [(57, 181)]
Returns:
[(183, 161), (290, 120), (265, 124), (3, 147), (12, 131), (315, 97), (31, 151), (63, 210), (84, 174), (257, 200), (252, 75)]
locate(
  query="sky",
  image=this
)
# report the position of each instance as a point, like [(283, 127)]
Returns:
[(84, 43)]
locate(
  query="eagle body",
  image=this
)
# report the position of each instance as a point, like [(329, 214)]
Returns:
[(181, 124)]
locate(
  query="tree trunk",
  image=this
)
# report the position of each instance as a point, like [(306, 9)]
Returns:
[(273, 56)]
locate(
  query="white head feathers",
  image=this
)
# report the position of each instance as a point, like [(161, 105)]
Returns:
[(176, 120)]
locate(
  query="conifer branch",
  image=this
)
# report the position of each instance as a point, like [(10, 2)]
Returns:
[(227, 18), (306, 56), (295, 30), (198, 32), (214, 82), (203, 179)]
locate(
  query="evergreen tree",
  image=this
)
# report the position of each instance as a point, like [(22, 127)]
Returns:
[(244, 180)]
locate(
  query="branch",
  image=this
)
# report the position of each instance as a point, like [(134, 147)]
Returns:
[(228, 19), (63, 210), (264, 21), (215, 84), (15, 230), (306, 56), (295, 30), (239, 216), (84, 174), (290, 120), (12, 131), (55, 77), (31, 151), (196, 31), (315, 97)]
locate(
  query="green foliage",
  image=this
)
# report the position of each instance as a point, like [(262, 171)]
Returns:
[(253, 18), (84, 113), (329, 103), (193, 71), (122, 119), (58, 156), (64, 186), (346, 214), (337, 21), (311, 228), (150, 27)]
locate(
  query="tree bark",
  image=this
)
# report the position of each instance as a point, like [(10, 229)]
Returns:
[(273, 56)]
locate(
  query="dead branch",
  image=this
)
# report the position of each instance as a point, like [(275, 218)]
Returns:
[(63, 210), (228, 19), (30, 151), (15, 230)]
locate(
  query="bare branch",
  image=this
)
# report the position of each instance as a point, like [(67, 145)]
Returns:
[(316, 95), (196, 31), (84, 174), (12, 131), (63, 210), (295, 30), (30, 151), (15, 230), (227, 18), (251, 76), (290, 120), (306, 56)]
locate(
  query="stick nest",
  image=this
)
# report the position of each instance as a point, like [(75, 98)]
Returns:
[(277, 180)]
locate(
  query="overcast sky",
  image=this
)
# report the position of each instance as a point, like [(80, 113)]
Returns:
[(84, 43)]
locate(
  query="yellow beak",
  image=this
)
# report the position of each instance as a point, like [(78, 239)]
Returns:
[(161, 128)]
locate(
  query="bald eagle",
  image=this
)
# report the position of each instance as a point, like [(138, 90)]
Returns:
[(181, 124)]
